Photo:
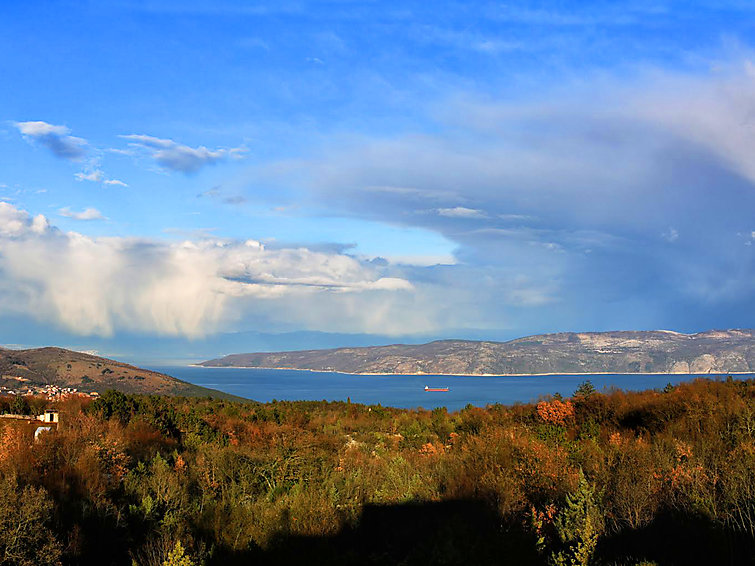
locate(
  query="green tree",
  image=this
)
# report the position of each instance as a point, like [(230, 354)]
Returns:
[(178, 557), (585, 389), (19, 405), (578, 526)]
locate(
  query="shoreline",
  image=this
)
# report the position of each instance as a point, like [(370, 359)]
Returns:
[(470, 374)]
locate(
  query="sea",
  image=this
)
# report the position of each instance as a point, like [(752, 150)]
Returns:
[(407, 391)]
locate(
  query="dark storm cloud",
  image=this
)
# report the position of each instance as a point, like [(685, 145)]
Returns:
[(620, 207)]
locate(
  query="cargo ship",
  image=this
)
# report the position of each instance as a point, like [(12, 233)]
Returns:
[(441, 389)]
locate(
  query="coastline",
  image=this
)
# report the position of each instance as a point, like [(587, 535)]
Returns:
[(386, 374)]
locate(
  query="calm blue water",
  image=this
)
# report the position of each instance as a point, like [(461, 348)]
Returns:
[(402, 390)]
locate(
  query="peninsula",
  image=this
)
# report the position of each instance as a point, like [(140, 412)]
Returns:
[(657, 351)]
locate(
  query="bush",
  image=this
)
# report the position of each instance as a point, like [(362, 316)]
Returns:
[(25, 536)]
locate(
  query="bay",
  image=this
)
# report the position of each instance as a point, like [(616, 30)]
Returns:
[(407, 391)]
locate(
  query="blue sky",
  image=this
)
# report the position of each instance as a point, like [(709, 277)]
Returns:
[(184, 171)]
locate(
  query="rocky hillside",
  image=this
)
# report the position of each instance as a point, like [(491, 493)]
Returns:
[(23, 369), (660, 351)]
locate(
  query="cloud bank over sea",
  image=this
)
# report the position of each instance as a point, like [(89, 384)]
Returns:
[(96, 285)]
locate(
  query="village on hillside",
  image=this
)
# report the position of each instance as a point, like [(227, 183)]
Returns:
[(50, 392)]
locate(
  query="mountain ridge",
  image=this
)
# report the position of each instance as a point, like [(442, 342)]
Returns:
[(626, 351), (51, 365)]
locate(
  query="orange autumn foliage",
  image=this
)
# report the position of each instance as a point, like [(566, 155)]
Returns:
[(555, 412)]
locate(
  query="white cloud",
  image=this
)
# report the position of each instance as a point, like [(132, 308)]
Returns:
[(671, 235), (413, 192), (715, 113), (461, 212), (100, 285), (86, 214), (98, 176), (95, 176), (115, 182), (178, 157), (55, 138), (116, 151), (420, 260)]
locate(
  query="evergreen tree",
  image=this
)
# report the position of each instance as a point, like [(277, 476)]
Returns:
[(585, 389), (578, 526)]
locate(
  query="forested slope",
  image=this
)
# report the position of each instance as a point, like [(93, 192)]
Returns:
[(659, 477)]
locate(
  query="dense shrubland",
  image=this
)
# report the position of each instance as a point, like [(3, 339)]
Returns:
[(664, 477)]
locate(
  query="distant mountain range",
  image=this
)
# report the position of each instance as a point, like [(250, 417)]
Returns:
[(38, 367), (657, 351)]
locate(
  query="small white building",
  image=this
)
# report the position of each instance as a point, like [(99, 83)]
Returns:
[(50, 416)]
